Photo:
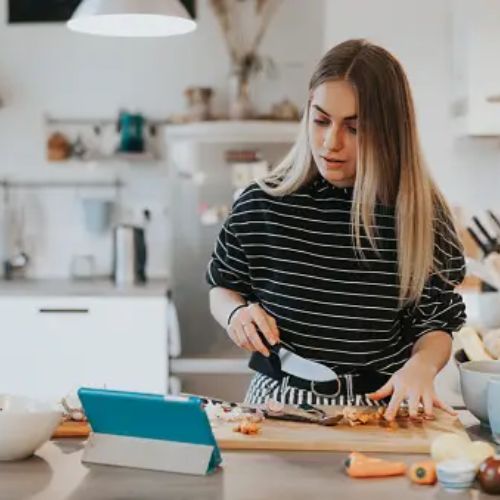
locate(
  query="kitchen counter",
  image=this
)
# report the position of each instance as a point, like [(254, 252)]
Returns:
[(56, 473), (81, 288)]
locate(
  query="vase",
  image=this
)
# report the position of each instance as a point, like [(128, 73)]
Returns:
[(240, 101)]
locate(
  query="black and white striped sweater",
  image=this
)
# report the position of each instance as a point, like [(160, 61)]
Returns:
[(295, 256)]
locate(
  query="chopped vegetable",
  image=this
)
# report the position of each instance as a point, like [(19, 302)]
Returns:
[(247, 427), (359, 465), (423, 472)]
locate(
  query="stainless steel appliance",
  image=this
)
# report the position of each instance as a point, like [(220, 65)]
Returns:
[(202, 188), (129, 255)]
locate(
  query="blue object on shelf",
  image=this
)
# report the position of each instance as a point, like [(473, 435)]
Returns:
[(131, 127)]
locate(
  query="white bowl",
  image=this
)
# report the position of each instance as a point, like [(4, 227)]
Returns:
[(474, 377), (25, 424), (456, 474)]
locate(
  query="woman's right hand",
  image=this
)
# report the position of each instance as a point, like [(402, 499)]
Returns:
[(243, 328)]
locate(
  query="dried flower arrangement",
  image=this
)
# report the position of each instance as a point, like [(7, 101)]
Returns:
[(243, 32)]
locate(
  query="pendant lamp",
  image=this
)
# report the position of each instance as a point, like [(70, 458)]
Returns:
[(131, 18)]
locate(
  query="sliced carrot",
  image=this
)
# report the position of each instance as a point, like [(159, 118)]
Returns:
[(360, 465), (423, 472)]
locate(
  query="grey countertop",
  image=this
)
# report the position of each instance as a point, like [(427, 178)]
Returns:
[(56, 473), (81, 288)]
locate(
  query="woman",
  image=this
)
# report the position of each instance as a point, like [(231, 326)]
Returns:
[(346, 252)]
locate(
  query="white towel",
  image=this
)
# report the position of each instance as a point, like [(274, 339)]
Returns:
[(173, 331)]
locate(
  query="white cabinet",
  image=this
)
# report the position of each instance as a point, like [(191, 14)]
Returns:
[(51, 346), (475, 66)]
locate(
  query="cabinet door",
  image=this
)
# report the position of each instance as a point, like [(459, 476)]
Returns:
[(43, 344), (52, 346), (17, 350), (61, 361), (476, 74)]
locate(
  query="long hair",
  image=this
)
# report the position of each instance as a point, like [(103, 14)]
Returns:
[(390, 165)]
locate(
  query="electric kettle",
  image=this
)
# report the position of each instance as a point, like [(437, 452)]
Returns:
[(129, 255)]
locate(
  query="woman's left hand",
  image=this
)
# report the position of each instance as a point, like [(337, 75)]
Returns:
[(413, 382)]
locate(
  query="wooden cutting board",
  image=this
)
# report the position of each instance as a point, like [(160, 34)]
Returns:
[(72, 429), (405, 437)]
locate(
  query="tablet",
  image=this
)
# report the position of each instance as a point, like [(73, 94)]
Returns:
[(149, 417)]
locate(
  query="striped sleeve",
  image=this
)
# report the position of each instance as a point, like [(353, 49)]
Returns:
[(228, 266), (441, 307)]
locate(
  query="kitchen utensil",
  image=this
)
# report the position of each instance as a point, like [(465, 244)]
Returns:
[(25, 424), (129, 255), (474, 378), (494, 218), (296, 365), (490, 249), (492, 242), (328, 421), (305, 412), (483, 246), (72, 429)]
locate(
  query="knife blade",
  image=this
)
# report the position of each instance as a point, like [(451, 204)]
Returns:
[(296, 365), (306, 369)]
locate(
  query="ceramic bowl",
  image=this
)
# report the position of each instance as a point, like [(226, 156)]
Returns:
[(25, 424), (456, 474), (474, 377)]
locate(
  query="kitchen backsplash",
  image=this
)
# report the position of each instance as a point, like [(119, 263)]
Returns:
[(62, 225)]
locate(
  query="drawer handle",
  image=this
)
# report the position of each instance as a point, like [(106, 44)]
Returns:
[(50, 310)]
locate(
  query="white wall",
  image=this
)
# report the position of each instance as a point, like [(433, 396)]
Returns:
[(419, 34), (45, 68)]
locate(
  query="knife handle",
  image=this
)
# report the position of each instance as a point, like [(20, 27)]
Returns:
[(274, 349)]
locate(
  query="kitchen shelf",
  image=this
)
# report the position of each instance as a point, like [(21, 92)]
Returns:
[(100, 140), (8, 184), (51, 120), (228, 131), (146, 157)]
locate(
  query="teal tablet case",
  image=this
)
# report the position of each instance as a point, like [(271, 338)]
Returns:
[(149, 416)]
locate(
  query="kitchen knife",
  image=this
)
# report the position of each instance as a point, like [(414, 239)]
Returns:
[(492, 242), (296, 365), (494, 218), (478, 241)]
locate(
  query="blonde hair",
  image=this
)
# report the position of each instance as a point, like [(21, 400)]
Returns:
[(390, 165)]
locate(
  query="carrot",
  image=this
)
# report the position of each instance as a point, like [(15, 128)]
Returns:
[(360, 465), (423, 472)]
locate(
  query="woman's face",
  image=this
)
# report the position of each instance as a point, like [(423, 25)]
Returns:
[(332, 131)]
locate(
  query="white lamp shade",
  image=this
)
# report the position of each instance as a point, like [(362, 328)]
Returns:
[(132, 18)]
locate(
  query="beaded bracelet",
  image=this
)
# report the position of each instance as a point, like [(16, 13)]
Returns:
[(233, 311)]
